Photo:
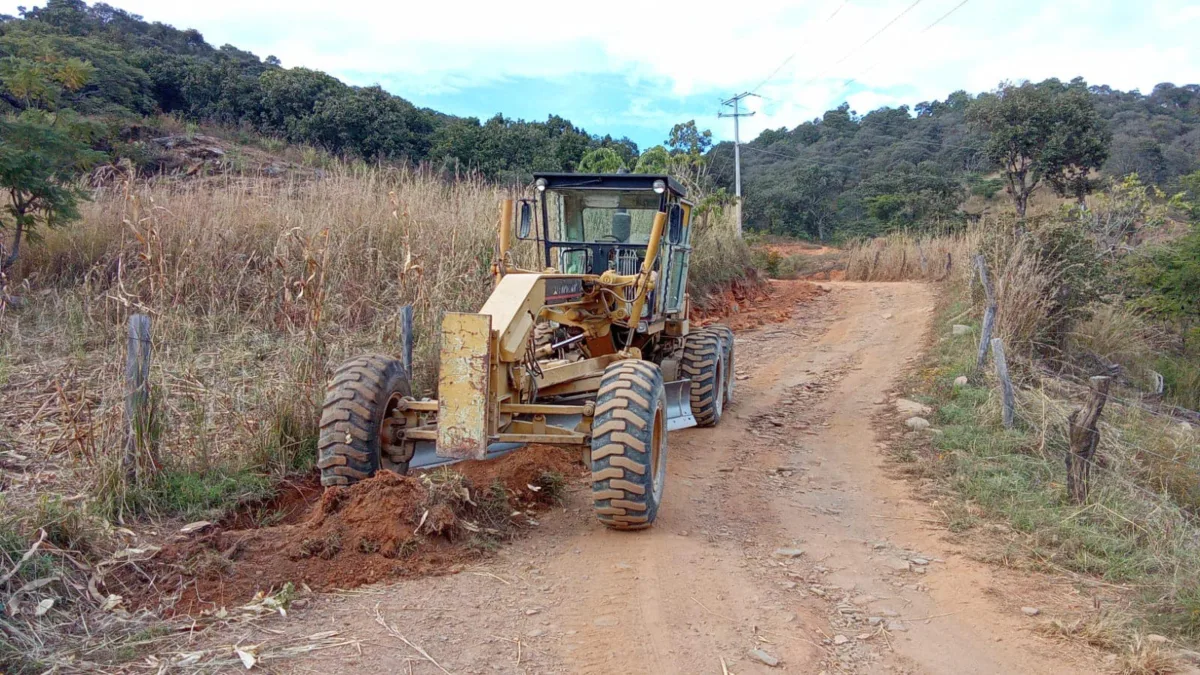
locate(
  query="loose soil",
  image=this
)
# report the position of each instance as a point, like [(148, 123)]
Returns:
[(387, 527), (784, 536), (742, 307), (799, 248)]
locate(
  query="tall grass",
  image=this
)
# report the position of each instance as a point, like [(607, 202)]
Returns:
[(256, 288), (1138, 533), (903, 257)]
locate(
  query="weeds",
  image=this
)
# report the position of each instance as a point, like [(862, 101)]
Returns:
[(553, 487), (1138, 530), (900, 257)]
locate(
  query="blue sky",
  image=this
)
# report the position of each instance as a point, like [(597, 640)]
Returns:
[(632, 68)]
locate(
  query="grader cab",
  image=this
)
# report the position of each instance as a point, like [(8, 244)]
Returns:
[(594, 350)]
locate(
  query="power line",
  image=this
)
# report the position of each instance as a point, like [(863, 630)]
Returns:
[(868, 41), (807, 159), (802, 159), (793, 54), (925, 30)]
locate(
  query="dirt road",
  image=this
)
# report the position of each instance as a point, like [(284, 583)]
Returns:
[(781, 531)]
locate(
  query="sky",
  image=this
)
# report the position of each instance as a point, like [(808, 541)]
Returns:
[(635, 68)]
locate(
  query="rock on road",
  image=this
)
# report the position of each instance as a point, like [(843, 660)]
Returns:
[(782, 540)]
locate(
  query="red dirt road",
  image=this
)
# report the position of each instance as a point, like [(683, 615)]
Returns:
[(781, 531)]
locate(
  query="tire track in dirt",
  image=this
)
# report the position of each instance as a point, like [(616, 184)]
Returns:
[(794, 464)]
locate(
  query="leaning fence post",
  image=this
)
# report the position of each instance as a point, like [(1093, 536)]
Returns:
[(1006, 387), (406, 339), (1085, 435), (989, 313), (137, 390)]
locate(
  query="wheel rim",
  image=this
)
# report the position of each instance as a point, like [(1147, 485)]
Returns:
[(719, 387), (657, 437), (729, 377), (387, 427)]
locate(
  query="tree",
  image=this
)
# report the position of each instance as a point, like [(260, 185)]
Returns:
[(601, 160), (40, 158), (290, 97), (653, 160), (1041, 131), (1079, 145), (686, 139), (1169, 275)]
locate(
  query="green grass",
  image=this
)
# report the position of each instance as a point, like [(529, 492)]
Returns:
[(1138, 528), (193, 493), (1181, 376), (209, 493)]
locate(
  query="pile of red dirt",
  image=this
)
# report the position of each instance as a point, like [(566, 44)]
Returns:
[(800, 248), (389, 526), (744, 306)]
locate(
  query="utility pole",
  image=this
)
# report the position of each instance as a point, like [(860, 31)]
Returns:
[(735, 102)]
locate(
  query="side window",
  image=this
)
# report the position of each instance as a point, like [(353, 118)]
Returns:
[(675, 224)]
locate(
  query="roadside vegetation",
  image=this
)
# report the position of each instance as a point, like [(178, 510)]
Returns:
[(271, 220), (256, 287), (1074, 300)]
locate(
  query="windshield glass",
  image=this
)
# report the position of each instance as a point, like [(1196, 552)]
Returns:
[(604, 217)]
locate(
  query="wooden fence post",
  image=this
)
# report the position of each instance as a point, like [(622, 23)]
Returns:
[(137, 390), (1006, 387), (406, 339), (1084, 436), (989, 313)]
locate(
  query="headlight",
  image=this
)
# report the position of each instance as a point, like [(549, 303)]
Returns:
[(540, 184), (660, 186)]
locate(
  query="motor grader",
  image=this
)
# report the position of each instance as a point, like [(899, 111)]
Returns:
[(595, 350)]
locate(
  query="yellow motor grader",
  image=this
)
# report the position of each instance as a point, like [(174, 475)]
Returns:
[(595, 350)]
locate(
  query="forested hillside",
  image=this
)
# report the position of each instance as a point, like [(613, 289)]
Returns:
[(845, 174), (838, 176), (127, 68)]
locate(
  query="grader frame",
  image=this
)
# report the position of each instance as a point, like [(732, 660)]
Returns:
[(601, 357)]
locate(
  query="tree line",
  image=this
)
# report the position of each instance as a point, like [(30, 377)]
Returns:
[(128, 68), (844, 174), (76, 79)]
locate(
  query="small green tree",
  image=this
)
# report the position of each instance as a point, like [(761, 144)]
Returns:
[(1169, 279), (1047, 131), (653, 160), (687, 139), (1078, 146), (600, 160), (41, 155)]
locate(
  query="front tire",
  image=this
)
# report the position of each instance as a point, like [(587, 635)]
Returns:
[(703, 363), (358, 426), (727, 342), (629, 445)]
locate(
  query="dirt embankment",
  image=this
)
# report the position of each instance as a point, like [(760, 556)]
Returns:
[(746, 306), (390, 526)]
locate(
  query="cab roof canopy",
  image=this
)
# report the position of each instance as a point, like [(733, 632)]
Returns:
[(609, 181)]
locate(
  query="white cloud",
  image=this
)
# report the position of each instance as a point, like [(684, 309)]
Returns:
[(707, 47)]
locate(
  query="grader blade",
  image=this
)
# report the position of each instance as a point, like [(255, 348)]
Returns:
[(679, 405)]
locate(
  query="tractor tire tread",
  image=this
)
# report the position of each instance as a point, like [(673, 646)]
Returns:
[(349, 447), (701, 361), (623, 481)]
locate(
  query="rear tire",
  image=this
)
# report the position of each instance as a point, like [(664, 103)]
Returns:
[(629, 445), (730, 374), (703, 363), (356, 438)]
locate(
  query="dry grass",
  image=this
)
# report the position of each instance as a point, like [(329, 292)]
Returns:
[(905, 257), (256, 288), (1143, 657)]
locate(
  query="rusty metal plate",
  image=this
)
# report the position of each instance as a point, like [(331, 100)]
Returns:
[(463, 386)]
